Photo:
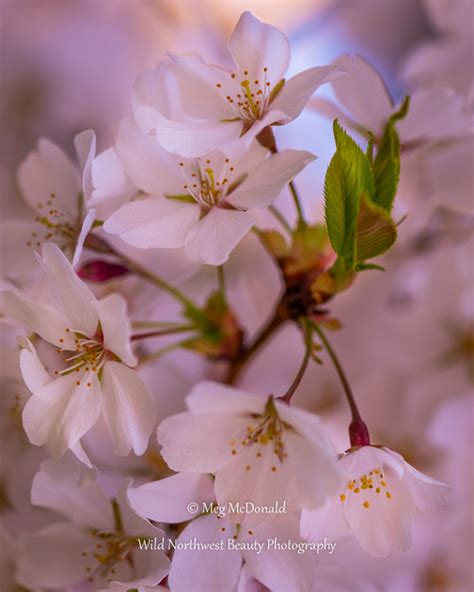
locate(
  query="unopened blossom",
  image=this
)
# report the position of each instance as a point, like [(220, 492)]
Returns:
[(169, 500), (94, 373), (377, 502), (94, 541), (205, 204), (58, 192), (218, 105), (260, 449)]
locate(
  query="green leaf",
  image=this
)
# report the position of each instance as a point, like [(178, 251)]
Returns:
[(348, 177), (376, 231), (401, 113), (367, 266), (386, 168)]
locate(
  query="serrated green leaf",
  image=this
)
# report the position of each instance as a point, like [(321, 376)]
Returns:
[(376, 231), (386, 168), (348, 178)]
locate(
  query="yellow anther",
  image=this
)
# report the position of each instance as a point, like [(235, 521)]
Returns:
[(388, 494), (366, 505), (342, 497)]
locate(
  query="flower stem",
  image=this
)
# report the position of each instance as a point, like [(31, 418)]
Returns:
[(221, 279), (281, 219), (171, 331), (296, 199), (308, 333)]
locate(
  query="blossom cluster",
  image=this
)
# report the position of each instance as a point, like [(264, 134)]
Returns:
[(116, 251)]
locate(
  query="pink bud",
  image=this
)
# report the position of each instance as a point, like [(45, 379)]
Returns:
[(101, 271), (359, 433)]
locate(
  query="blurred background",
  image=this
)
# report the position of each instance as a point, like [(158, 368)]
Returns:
[(408, 339)]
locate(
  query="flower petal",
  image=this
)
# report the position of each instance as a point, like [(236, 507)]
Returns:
[(199, 443), (328, 521), (111, 183), (212, 239), (85, 144), (214, 397), (33, 372), (298, 90), (153, 222), (429, 494), (116, 327), (207, 569), (72, 294), (49, 180), (167, 500), (255, 45), (264, 183), (128, 408), (61, 412), (18, 239), (87, 224)]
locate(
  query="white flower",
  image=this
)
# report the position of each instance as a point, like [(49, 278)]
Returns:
[(205, 203), (58, 191), (216, 106), (378, 503), (260, 449), (201, 570), (94, 374), (95, 543)]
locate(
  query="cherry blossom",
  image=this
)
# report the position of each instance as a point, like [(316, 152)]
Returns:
[(95, 361), (205, 204), (377, 504)]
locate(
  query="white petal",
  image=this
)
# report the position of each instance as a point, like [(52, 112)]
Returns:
[(85, 144), (41, 319), (167, 500), (199, 443), (363, 93), (368, 458), (195, 139), (133, 523), (33, 372), (386, 525), (298, 90), (72, 294), (87, 224), (51, 557), (61, 412), (111, 183), (255, 45), (214, 397), (18, 240), (147, 164), (57, 487), (212, 239), (47, 175), (116, 327), (264, 183), (153, 222), (429, 494), (128, 408), (328, 521), (204, 570)]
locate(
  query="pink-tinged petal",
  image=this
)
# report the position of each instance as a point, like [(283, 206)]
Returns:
[(205, 570), (44, 320), (57, 486), (363, 93), (369, 458), (428, 493), (264, 183), (382, 521), (82, 457), (128, 408), (33, 372), (281, 570), (146, 163), (195, 139), (214, 397), (133, 523), (167, 500), (112, 186), (213, 238), (49, 181), (297, 91), (85, 144), (72, 294), (328, 521), (61, 412), (87, 224), (51, 557), (199, 443), (18, 239), (255, 45), (200, 95), (116, 327), (155, 222)]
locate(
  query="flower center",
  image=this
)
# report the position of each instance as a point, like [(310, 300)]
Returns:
[(110, 549), (89, 354), (207, 183), (53, 225), (251, 97), (373, 483), (264, 430)]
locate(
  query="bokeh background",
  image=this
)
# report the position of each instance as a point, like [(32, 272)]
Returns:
[(408, 334)]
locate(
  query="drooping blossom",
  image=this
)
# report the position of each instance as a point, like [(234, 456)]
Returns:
[(94, 373), (205, 203), (196, 107), (377, 504)]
